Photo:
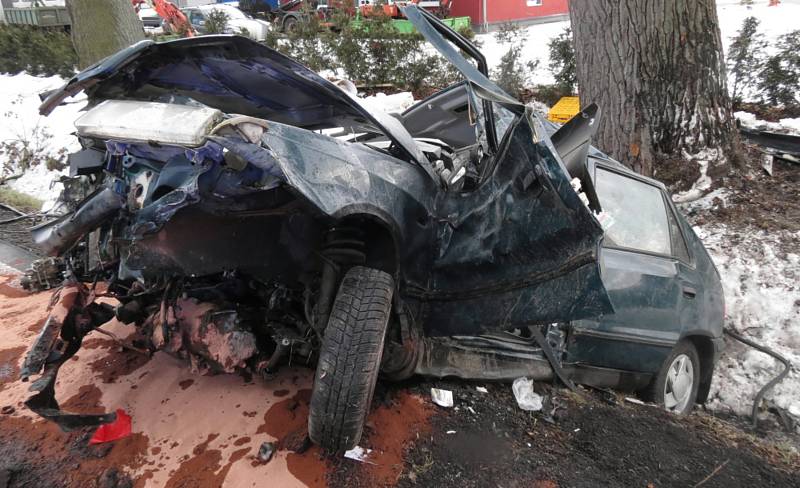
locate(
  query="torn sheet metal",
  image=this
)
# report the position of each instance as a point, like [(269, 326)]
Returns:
[(484, 87), (72, 317), (57, 236)]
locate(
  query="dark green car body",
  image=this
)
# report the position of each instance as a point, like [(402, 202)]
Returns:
[(660, 297)]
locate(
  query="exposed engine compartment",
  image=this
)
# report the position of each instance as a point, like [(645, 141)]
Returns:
[(241, 278)]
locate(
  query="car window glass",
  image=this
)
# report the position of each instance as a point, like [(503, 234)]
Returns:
[(679, 249), (502, 120), (635, 214)]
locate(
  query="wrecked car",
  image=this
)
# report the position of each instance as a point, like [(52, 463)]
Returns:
[(245, 212)]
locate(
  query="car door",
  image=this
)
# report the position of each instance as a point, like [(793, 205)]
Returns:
[(517, 245), (521, 248), (647, 272)]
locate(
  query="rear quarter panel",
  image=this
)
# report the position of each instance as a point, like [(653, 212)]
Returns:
[(711, 319)]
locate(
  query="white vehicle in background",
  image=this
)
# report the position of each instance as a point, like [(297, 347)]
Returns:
[(238, 21), (150, 19)]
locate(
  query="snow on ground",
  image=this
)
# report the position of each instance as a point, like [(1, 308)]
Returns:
[(762, 301), (775, 21), (789, 126), (703, 183), (20, 120), (536, 49)]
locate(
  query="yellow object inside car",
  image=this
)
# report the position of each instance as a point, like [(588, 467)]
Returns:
[(564, 109)]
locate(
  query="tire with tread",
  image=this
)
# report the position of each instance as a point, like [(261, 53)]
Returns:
[(350, 359)]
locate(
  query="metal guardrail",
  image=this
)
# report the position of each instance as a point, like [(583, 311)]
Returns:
[(779, 143)]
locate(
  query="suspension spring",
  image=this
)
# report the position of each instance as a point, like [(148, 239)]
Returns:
[(344, 246)]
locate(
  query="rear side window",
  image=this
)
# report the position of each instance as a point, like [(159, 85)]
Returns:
[(636, 217), (679, 249)]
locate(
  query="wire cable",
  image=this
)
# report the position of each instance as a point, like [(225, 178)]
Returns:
[(787, 367)]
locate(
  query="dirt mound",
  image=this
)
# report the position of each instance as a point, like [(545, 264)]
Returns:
[(36, 453), (9, 364), (581, 441)]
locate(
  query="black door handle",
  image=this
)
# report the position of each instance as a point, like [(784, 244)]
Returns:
[(689, 291)]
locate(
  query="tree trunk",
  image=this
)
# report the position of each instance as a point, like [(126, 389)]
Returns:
[(102, 27), (655, 69)]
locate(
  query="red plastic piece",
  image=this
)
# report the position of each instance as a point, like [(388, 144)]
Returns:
[(117, 429)]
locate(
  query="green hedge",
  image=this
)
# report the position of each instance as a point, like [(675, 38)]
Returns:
[(37, 51), (372, 57)]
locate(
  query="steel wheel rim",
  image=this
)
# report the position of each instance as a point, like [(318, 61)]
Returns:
[(679, 385)]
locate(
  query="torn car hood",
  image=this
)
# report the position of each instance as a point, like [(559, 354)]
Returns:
[(233, 74), (483, 86)]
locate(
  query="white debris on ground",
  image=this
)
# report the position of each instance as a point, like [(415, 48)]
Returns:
[(443, 398), (762, 302), (527, 399), (359, 454), (51, 135)]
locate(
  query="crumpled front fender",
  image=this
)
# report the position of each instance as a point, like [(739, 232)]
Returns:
[(342, 179)]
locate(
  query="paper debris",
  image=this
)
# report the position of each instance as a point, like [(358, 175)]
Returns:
[(443, 398), (527, 399), (359, 454)]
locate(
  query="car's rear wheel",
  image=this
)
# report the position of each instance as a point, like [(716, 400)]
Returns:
[(350, 358), (676, 385)]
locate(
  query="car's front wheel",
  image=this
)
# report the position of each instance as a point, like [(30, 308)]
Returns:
[(675, 387), (350, 358)]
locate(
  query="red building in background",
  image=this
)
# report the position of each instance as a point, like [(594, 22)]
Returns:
[(488, 12)]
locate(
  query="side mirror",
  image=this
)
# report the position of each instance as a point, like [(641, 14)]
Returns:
[(572, 143)]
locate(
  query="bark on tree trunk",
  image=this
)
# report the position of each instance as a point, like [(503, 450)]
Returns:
[(102, 27), (656, 70)]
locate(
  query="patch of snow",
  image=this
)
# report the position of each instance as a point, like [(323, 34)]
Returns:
[(703, 182), (537, 37), (762, 302), (746, 118), (792, 125), (20, 120), (708, 201), (774, 21), (788, 126), (39, 182)]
